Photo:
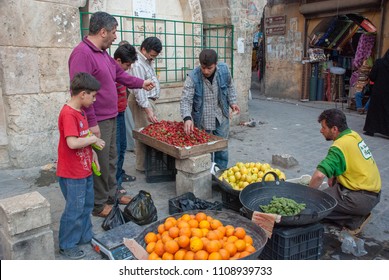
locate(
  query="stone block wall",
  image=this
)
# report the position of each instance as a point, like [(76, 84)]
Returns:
[(25, 232), (34, 77)]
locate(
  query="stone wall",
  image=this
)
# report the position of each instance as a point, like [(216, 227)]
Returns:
[(34, 78)]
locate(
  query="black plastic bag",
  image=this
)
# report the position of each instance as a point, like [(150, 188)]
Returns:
[(115, 217), (141, 209)]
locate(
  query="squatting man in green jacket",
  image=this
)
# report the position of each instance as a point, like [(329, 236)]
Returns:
[(353, 176)]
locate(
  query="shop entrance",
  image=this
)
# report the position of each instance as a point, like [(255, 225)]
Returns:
[(341, 53)]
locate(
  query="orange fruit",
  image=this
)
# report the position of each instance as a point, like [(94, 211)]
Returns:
[(180, 254), (185, 231), (161, 228), (222, 229), (186, 217), (248, 239), (205, 231), (196, 244), (212, 235), (212, 246), (150, 247), (169, 223), (215, 256), (197, 232), (240, 245), (193, 223), (236, 256), (201, 216), (219, 234), (153, 256), (231, 248), (232, 238), (167, 256), (204, 224), (171, 246), (240, 232), (229, 230), (201, 255), (182, 224), (215, 224), (150, 237), (244, 254), (209, 219), (166, 237), (174, 231), (172, 219), (224, 253), (250, 248), (183, 241), (159, 248), (189, 255)]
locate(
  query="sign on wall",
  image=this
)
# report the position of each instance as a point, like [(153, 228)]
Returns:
[(276, 20), (144, 8)]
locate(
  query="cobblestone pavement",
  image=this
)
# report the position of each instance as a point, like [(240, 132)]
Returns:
[(283, 127)]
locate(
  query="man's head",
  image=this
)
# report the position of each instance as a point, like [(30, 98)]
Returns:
[(333, 122), (208, 61), (85, 86), (125, 55), (151, 47), (104, 26)]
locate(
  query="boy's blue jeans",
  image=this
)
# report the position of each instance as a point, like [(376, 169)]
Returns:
[(121, 143), (222, 130), (76, 226)]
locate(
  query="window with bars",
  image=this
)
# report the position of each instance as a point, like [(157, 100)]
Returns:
[(182, 42)]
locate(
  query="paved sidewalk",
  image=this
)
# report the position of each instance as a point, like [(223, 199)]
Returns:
[(283, 127)]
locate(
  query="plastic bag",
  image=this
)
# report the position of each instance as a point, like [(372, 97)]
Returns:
[(351, 244), (141, 209), (115, 217)]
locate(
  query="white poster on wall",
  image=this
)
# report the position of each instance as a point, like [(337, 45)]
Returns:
[(144, 8)]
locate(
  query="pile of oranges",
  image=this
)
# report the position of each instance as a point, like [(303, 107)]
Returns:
[(197, 237)]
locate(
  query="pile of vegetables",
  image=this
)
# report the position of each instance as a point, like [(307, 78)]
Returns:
[(173, 133), (283, 206)]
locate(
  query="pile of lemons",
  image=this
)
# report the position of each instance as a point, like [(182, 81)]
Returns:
[(242, 174)]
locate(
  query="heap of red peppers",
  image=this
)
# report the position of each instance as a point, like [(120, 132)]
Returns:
[(173, 133)]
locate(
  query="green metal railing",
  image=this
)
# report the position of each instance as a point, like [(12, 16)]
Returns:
[(182, 42)]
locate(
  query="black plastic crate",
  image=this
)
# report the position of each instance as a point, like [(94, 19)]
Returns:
[(176, 206), (295, 243), (231, 201), (160, 167)]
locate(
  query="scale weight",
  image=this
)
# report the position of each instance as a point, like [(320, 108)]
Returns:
[(110, 243)]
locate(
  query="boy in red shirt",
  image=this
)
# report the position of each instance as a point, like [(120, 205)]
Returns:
[(74, 167), (125, 55)]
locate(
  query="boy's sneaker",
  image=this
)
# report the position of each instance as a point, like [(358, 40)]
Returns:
[(72, 253)]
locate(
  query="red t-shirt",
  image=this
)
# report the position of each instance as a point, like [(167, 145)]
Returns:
[(73, 163), (122, 97)]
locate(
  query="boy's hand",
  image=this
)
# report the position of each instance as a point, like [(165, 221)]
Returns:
[(100, 143)]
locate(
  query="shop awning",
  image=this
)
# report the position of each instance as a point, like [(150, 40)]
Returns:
[(334, 7)]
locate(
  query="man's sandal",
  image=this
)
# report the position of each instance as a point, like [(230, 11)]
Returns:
[(359, 229), (103, 213), (128, 178), (125, 199)]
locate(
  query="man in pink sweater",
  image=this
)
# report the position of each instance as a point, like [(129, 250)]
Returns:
[(91, 56)]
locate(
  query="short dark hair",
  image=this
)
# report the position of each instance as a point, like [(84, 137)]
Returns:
[(334, 117), (126, 53), (151, 43), (208, 57), (83, 82), (100, 20)]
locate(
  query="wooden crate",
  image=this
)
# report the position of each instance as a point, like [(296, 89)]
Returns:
[(216, 144)]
